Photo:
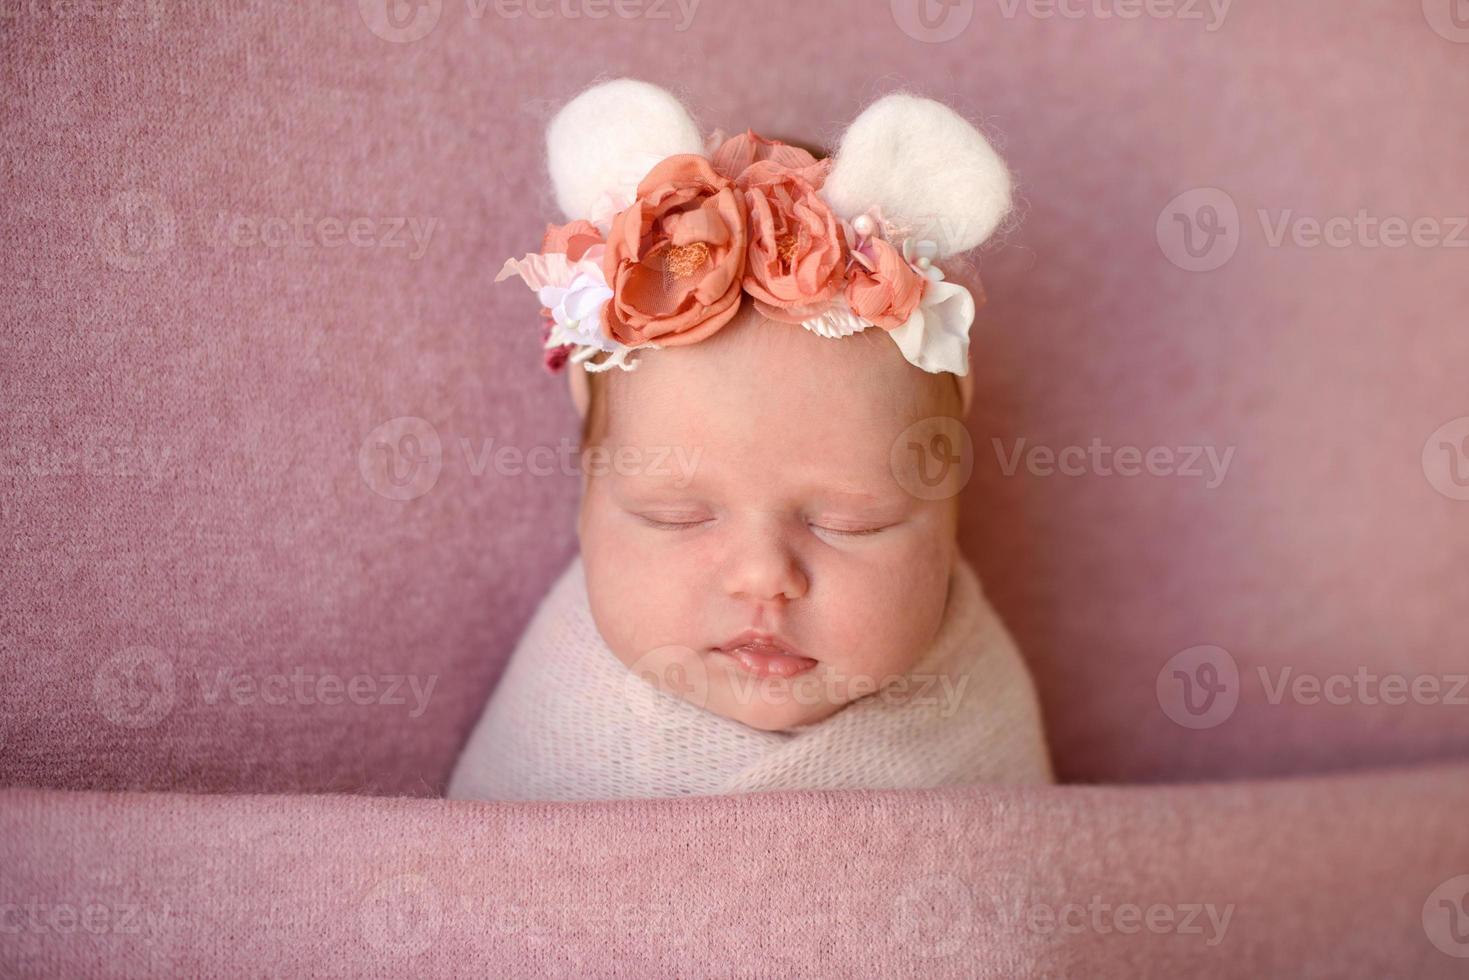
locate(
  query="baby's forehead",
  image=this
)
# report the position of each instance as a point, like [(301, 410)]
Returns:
[(775, 419), (784, 375)]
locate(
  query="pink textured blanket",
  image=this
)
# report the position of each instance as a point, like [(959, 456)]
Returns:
[(1326, 877)]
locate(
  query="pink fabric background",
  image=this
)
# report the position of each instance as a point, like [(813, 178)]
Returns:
[(181, 430), (253, 374)]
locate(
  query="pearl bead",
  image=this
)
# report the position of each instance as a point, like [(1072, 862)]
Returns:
[(863, 225), (924, 262)]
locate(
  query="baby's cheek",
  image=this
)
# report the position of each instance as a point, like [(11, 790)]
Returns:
[(878, 644), (644, 593), (888, 621), (613, 566)]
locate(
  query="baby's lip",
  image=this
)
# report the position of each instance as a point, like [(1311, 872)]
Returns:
[(763, 640), (766, 655)]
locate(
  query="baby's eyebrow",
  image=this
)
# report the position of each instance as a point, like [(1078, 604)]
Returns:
[(861, 499), (849, 496), (839, 493)]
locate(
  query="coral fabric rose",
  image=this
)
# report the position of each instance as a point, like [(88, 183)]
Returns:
[(738, 153), (572, 239), (675, 256), (883, 288), (797, 250)]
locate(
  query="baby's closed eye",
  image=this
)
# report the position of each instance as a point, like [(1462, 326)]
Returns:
[(826, 525), (852, 528), (673, 523)]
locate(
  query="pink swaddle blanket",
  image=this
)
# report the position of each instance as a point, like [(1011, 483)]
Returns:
[(569, 721)]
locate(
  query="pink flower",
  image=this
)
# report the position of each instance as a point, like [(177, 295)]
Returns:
[(882, 287), (555, 357), (738, 153), (573, 239), (675, 256), (797, 251)]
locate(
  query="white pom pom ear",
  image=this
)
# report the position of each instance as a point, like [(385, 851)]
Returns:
[(924, 166), (609, 137)]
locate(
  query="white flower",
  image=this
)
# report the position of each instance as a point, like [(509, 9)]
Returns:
[(576, 307), (575, 292), (936, 336), (837, 320), (920, 253)]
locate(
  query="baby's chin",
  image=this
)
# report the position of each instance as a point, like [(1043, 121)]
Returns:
[(720, 683), (770, 704)]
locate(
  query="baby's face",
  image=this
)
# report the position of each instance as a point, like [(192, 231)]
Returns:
[(747, 542)]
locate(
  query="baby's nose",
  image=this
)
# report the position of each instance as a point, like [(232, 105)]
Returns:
[(765, 568)]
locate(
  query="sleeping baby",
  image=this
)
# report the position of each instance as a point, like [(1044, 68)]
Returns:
[(772, 375)]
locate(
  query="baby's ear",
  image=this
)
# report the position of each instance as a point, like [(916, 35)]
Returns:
[(924, 166), (580, 386), (610, 136)]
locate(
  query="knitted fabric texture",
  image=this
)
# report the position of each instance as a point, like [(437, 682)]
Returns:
[(569, 721)]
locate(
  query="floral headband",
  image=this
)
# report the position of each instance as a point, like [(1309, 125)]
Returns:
[(670, 232)]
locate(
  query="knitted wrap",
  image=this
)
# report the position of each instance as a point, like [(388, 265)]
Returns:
[(569, 721)]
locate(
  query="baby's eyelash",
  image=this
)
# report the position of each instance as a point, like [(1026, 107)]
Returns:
[(687, 525), (852, 533), (669, 525)]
